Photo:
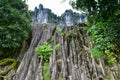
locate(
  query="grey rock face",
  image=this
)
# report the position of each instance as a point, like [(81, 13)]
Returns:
[(73, 61), (68, 18)]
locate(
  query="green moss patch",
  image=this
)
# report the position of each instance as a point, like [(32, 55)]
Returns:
[(5, 62)]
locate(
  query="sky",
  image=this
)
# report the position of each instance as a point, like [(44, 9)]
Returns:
[(57, 6)]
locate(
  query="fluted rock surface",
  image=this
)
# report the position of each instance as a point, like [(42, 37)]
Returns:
[(73, 61)]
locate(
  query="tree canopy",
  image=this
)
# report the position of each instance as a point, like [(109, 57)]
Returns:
[(104, 19), (14, 24)]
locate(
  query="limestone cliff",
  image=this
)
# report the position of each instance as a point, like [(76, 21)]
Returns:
[(73, 61), (68, 18)]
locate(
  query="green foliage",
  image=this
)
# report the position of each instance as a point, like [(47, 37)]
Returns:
[(96, 53), (52, 39), (104, 19), (57, 46), (46, 75), (44, 51), (111, 57), (14, 24), (59, 31), (103, 38)]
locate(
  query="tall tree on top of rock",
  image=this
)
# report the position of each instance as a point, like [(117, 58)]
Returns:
[(14, 24), (104, 19)]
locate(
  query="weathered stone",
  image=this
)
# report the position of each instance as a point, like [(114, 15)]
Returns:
[(68, 18), (73, 61)]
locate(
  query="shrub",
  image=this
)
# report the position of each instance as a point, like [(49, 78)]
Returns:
[(44, 51)]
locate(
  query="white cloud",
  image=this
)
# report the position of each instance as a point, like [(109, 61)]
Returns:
[(55, 5)]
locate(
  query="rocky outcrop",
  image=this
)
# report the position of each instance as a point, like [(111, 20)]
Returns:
[(73, 61), (68, 18), (43, 15)]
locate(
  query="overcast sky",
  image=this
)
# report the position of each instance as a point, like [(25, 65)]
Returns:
[(57, 6)]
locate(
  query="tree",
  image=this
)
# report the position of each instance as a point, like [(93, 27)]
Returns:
[(14, 25), (104, 19)]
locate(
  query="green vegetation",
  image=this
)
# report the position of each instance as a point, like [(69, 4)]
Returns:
[(111, 57), (59, 31), (104, 20), (52, 39), (96, 53), (4, 62), (57, 46), (46, 75), (14, 25), (71, 34), (44, 51)]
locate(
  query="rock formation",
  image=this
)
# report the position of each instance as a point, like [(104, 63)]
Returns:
[(73, 61), (68, 18)]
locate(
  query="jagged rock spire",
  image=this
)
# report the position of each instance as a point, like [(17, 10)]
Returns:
[(68, 18)]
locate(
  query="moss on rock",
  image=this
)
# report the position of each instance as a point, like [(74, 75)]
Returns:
[(5, 62)]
